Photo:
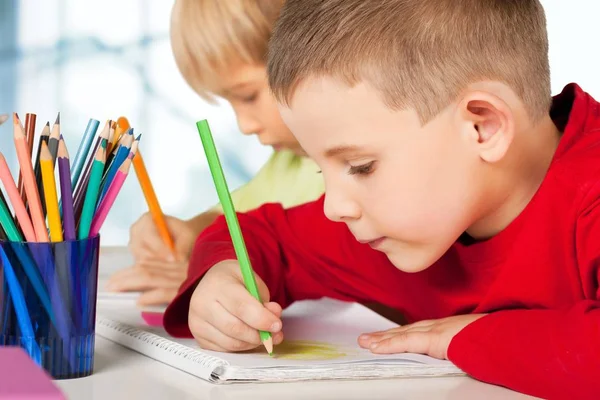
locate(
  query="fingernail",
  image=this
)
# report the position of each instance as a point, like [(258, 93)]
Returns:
[(365, 337), (374, 345), (276, 326)]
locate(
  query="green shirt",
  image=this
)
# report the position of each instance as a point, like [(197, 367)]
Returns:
[(286, 178)]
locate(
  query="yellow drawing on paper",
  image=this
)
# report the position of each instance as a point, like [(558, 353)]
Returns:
[(306, 350)]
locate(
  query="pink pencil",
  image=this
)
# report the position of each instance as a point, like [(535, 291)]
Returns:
[(109, 199), (16, 200)]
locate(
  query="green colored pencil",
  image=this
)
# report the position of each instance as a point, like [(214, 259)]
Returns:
[(8, 223), (232, 222), (91, 194)]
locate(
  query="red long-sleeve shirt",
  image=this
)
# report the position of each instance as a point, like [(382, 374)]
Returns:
[(538, 279)]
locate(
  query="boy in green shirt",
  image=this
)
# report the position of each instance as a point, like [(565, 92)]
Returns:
[(220, 48)]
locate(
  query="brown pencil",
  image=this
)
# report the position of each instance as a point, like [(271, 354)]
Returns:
[(29, 134)]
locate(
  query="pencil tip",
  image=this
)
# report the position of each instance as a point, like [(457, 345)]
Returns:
[(139, 137), (16, 118), (48, 124), (269, 345), (130, 131), (57, 119)]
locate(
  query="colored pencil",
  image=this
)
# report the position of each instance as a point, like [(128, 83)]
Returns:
[(81, 184), (18, 301), (117, 160), (66, 192), (119, 129), (47, 166), (80, 191), (30, 135), (54, 138), (91, 197), (44, 137), (3, 119), (112, 128), (14, 235), (15, 199), (33, 197), (83, 150), (124, 140), (152, 200), (231, 218), (109, 199)]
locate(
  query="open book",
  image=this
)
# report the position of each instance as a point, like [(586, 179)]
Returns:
[(320, 343)]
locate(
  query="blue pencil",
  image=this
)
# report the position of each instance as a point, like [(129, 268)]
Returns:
[(18, 301), (83, 150), (121, 156)]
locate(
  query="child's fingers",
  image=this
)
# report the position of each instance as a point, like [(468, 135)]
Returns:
[(277, 337), (156, 297), (238, 301), (211, 334), (135, 278), (164, 268), (275, 308), (231, 326)]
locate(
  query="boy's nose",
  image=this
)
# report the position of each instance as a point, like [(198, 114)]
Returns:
[(248, 125), (340, 208)]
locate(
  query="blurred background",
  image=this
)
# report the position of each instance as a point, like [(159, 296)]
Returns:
[(103, 59)]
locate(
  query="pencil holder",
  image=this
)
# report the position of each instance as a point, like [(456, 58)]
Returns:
[(56, 284)]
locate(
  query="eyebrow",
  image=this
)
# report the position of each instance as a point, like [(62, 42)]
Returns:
[(341, 150)]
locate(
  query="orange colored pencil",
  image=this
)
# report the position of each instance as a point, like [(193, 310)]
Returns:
[(152, 200), (33, 196), (149, 193)]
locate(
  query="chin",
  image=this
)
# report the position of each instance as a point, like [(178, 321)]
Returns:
[(408, 263)]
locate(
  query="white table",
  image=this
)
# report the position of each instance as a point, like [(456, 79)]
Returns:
[(120, 373)]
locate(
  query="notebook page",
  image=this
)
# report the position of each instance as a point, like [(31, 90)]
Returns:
[(317, 333)]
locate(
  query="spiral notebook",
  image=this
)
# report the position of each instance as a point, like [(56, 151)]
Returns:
[(320, 344)]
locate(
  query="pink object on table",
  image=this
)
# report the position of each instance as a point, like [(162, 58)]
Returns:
[(153, 318), (22, 379)]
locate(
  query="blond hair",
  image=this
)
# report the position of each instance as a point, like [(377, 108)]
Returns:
[(209, 37), (416, 53)]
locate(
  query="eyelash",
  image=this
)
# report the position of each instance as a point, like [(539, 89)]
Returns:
[(250, 99), (364, 169)]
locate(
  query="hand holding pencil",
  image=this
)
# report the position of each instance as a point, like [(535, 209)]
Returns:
[(225, 317)]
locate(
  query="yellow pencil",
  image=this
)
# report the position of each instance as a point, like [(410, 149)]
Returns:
[(47, 167)]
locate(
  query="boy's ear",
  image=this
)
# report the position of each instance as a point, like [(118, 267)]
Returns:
[(489, 123)]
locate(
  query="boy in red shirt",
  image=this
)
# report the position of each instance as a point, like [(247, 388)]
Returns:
[(457, 191)]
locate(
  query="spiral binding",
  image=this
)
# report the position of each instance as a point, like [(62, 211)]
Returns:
[(179, 350)]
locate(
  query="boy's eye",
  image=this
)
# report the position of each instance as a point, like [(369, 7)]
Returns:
[(250, 99), (364, 169)]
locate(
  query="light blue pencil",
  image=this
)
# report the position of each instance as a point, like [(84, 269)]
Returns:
[(83, 150)]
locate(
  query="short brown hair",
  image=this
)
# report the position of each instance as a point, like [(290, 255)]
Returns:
[(416, 53), (210, 36)]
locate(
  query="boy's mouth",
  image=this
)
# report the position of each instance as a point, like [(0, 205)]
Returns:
[(374, 243)]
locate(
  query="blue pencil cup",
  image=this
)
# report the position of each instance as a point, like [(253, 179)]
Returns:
[(56, 284)]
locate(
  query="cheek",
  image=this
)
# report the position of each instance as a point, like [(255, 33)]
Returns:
[(425, 206)]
